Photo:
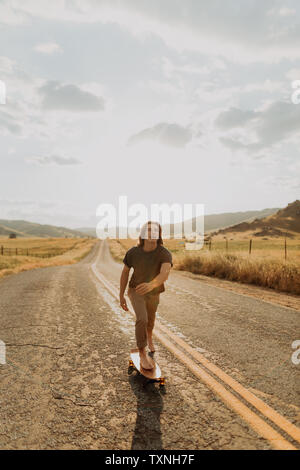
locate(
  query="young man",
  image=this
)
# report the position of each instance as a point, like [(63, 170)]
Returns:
[(152, 263)]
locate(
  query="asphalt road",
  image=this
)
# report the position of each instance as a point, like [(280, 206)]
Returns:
[(65, 383)]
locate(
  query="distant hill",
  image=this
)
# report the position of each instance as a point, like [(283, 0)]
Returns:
[(22, 228), (226, 219), (271, 221), (211, 221), (88, 231), (285, 221)]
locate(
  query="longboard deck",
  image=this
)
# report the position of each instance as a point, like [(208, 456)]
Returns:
[(153, 374)]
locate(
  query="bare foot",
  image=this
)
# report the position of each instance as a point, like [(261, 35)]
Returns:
[(146, 361)]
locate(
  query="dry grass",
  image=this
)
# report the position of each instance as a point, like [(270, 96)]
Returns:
[(119, 249), (272, 273), (40, 246), (261, 248), (266, 266), (61, 251)]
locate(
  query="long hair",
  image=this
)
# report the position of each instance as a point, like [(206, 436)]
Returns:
[(159, 240)]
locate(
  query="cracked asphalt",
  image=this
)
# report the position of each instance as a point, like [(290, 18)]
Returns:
[(65, 384)]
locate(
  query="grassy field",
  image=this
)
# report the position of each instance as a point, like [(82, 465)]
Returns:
[(264, 249), (265, 266), (42, 252)]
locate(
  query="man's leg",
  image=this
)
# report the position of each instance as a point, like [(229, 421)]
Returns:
[(139, 306), (151, 304)]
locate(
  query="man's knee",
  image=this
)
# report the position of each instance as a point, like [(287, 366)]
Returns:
[(150, 323), (141, 322)]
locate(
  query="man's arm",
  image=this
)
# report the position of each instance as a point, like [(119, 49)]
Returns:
[(157, 281), (123, 284), (162, 276)]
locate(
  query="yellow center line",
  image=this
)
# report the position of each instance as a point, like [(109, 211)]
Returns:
[(258, 424), (259, 404)]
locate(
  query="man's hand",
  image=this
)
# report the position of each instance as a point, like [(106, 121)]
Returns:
[(143, 288), (123, 303)]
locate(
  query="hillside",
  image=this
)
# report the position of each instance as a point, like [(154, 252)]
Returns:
[(226, 219), (285, 221), (89, 231), (278, 219), (23, 228), (211, 221)]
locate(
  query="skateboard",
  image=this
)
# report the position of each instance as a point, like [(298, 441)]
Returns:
[(153, 375)]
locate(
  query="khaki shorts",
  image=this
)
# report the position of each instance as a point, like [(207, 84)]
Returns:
[(145, 309)]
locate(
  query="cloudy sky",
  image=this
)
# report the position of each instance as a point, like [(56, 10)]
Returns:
[(173, 101)]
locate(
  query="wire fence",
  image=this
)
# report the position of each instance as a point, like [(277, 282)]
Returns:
[(19, 251), (211, 245)]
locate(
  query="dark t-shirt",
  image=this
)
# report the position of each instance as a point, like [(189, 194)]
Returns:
[(146, 265)]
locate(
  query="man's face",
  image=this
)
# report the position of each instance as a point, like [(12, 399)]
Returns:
[(151, 234)]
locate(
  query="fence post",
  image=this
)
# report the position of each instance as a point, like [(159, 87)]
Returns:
[(250, 246), (2, 250), (226, 245)]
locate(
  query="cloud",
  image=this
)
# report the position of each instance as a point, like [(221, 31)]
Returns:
[(15, 202), (282, 182), (10, 124), (54, 159), (28, 97), (215, 92), (56, 95), (20, 115), (10, 70), (45, 211), (233, 144), (48, 48), (171, 135), (234, 117), (26, 208), (170, 69), (19, 118), (282, 11), (278, 122), (228, 29), (293, 74), (10, 15)]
